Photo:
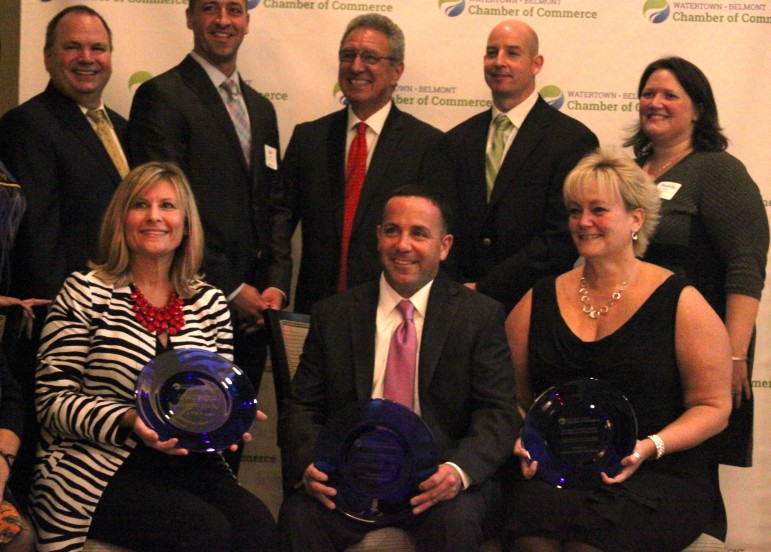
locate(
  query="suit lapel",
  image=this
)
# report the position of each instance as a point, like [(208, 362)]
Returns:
[(477, 145), (526, 140), (336, 166), (256, 155), (201, 85), (362, 314), (73, 119), (120, 127), (382, 157), (440, 312)]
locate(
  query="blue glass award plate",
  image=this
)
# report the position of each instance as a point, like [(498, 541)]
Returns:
[(197, 396), (376, 452), (578, 429)]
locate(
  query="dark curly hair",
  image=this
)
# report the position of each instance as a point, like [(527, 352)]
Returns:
[(707, 134)]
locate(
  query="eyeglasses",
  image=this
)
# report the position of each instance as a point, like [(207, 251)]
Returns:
[(368, 58)]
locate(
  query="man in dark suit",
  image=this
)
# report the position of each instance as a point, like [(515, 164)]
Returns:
[(512, 224), (461, 386), (68, 174), (53, 149), (223, 134), (340, 251)]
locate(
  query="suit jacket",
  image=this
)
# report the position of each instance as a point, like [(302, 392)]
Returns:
[(506, 245), (82, 443), (67, 178), (179, 116), (466, 379), (313, 177)]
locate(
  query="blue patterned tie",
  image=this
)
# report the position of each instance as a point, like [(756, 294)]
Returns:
[(237, 111)]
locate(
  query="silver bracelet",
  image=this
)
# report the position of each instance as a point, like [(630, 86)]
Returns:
[(660, 448)]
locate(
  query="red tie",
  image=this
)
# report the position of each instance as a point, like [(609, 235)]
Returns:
[(354, 178), (402, 355)]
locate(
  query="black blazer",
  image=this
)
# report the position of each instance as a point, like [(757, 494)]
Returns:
[(521, 235), (67, 178), (313, 177), (179, 116), (466, 379)]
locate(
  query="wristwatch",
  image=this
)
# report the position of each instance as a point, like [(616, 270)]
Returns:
[(8, 457)]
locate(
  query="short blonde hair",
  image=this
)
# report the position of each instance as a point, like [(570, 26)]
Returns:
[(617, 175), (113, 256)]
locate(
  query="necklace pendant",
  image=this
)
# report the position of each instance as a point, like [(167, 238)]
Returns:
[(588, 308)]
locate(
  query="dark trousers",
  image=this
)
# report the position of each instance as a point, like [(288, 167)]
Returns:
[(22, 360), (157, 502), (305, 525)]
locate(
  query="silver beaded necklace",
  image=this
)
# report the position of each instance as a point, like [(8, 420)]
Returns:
[(588, 308)]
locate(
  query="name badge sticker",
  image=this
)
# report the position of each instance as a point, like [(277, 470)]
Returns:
[(271, 157), (667, 190)]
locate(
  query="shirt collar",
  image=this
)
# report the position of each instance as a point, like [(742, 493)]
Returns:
[(376, 121), (216, 76), (85, 109), (518, 114), (389, 298)]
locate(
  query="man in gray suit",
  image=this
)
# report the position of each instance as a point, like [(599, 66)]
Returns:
[(512, 227), (338, 212), (204, 117), (463, 386)]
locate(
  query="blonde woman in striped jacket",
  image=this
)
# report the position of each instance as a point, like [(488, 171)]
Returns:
[(100, 471)]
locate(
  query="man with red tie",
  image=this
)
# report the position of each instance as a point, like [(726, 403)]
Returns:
[(407, 337), (339, 170)]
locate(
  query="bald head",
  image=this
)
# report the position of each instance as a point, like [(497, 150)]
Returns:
[(511, 63), (516, 28)]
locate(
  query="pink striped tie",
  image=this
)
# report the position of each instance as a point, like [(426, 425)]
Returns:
[(402, 357)]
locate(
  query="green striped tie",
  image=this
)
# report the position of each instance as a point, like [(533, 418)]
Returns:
[(503, 128)]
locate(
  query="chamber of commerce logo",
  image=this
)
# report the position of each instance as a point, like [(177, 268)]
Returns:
[(656, 11), (338, 94), (451, 8), (553, 96), (138, 78)]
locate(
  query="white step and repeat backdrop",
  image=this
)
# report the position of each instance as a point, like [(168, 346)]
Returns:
[(594, 53)]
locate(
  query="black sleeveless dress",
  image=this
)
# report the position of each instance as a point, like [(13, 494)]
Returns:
[(667, 503)]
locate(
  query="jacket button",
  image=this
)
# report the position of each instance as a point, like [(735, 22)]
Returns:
[(487, 242)]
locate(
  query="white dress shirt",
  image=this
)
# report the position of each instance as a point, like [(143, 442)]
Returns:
[(517, 117), (387, 319)]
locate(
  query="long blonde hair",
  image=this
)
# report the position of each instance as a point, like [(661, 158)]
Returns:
[(113, 256)]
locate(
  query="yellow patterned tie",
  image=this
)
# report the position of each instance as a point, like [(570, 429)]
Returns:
[(104, 131), (503, 128)]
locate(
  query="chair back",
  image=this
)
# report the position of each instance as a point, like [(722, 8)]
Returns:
[(287, 332)]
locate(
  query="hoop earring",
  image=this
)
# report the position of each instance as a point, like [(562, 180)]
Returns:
[(634, 236)]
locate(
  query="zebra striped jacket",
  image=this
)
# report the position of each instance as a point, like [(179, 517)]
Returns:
[(92, 350)]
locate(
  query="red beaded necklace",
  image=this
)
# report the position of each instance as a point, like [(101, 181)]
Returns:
[(158, 319)]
